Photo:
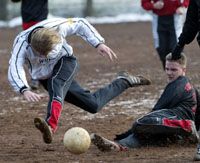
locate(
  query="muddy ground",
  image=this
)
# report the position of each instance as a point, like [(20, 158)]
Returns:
[(21, 142)]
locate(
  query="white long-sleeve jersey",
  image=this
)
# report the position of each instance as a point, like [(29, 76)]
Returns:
[(41, 68)]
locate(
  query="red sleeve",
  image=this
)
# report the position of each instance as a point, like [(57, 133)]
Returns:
[(147, 5), (185, 3)]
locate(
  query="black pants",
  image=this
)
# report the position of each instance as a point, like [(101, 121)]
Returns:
[(166, 36), (163, 121), (62, 87), (155, 128)]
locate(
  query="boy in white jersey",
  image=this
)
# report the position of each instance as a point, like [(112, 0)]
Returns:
[(50, 60)]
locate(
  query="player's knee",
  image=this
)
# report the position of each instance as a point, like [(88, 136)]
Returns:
[(92, 108)]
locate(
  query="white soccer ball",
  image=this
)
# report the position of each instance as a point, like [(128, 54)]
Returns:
[(77, 140)]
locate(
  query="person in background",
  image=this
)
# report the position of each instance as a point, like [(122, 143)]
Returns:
[(32, 12), (191, 29), (172, 117), (168, 18), (50, 60)]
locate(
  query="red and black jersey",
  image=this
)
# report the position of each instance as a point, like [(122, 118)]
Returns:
[(179, 95), (170, 6)]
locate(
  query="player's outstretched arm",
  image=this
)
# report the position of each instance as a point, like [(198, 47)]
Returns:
[(32, 97), (105, 51)]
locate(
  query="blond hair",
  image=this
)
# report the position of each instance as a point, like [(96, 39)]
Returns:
[(182, 60), (44, 39)]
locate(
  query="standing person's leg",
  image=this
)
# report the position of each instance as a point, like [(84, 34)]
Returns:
[(159, 35), (174, 32), (93, 102), (166, 36), (162, 49), (57, 86), (178, 24), (155, 31), (163, 36)]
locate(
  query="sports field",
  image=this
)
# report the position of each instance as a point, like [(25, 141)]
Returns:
[(21, 142)]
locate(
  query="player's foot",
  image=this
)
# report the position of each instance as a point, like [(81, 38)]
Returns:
[(106, 145), (45, 129), (197, 155), (133, 80)]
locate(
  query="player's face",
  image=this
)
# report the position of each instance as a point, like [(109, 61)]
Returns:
[(174, 70)]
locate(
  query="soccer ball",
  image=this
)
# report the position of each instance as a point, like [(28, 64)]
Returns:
[(77, 140)]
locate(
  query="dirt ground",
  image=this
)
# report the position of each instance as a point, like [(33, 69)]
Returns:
[(21, 142)]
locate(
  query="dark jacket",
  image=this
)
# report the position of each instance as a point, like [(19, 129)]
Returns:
[(180, 97), (33, 10), (192, 24)]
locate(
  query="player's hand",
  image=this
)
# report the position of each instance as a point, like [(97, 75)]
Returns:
[(32, 97), (104, 50), (176, 53), (158, 5), (180, 10)]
